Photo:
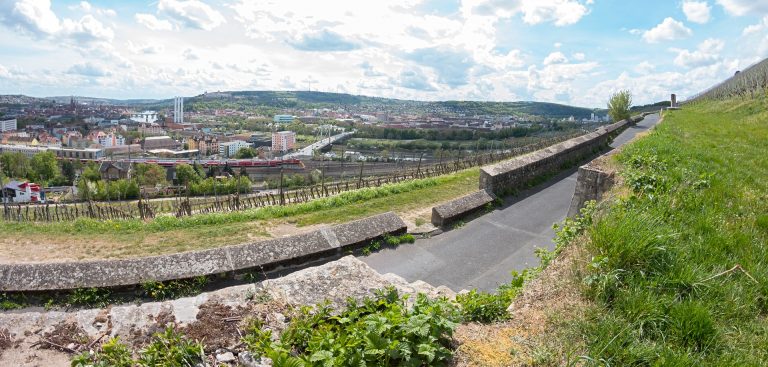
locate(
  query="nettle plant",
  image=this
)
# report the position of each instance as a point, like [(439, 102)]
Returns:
[(379, 331)]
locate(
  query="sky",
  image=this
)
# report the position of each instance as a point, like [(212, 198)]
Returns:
[(574, 52)]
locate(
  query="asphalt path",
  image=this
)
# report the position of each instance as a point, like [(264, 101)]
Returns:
[(482, 253)]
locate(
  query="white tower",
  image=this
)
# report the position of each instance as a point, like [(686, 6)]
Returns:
[(178, 110)]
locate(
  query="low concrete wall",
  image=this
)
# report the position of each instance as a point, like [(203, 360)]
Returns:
[(446, 213), (510, 175), (591, 183), (264, 255)]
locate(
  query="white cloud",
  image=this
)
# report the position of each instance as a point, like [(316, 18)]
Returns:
[(697, 11), (668, 30), (30, 16), (145, 49), (555, 82), (756, 28), (645, 68), (555, 58), (579, 56), (189, 54), (560, 12), (191, 13), (744, 7), (4, 73), (707, 53), (90, 70), (150, 21), (87, 29)]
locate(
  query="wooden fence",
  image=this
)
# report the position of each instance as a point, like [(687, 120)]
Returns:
[(181, 205)]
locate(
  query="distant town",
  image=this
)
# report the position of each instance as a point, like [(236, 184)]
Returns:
[(217, 132)]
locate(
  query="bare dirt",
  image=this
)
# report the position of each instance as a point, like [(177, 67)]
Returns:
[(532, 335)]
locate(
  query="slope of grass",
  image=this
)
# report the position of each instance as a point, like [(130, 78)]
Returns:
[(87, 238), (679, 268)]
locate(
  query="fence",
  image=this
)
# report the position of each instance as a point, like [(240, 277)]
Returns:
[(184, 205)]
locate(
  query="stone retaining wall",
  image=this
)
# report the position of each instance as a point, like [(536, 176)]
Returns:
[(511, 175), (591, 183), (450, 211), (264, 255)]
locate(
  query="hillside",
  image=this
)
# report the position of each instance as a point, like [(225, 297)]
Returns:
[(270, 102), (671, 270)]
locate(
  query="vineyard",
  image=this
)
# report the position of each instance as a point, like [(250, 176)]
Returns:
[(184, 205), (749, 82)]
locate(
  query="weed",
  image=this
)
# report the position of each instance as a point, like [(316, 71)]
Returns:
[(419, 222), (12, 301), (112, 354), (174, 288), (407, 238), (98, 297), (379, 331), (171, 348)]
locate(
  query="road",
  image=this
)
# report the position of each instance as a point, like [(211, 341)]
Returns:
[(482, 253)]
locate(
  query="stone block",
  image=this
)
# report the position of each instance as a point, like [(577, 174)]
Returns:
[(446, 213)]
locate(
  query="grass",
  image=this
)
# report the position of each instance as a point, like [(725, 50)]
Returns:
[(86, 238), (666, 272)]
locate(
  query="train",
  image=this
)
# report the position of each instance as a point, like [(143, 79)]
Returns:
[(234, 163)]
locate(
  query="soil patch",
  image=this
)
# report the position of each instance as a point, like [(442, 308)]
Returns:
[(532, 336), (66, 337)]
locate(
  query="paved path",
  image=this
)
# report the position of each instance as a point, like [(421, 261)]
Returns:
[(484, 252)]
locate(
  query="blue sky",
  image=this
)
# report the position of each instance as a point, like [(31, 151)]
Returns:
[(568, 51)]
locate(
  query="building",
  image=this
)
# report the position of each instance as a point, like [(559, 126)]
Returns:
[(112, 171), (283, 141), (27, 150), (146, 116), (20, 140), (150, 129), (8, 125), (229, 149), (159, 142), (178, 110), (22, 192), (107, 140), (78, 153), (283, 118)]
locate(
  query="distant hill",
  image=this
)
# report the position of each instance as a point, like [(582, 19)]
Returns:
[(269, 102), (96, 100), (305, 99)]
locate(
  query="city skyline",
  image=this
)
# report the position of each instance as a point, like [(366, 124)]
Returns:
[(563, 51)]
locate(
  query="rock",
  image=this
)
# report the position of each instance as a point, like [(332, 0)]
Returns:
[(248, 360), (224, 356)]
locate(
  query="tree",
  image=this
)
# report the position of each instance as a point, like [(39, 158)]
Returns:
[(69, 170), (186, 174), (618, 105), (15, 165), (44, 166), (150, 174), (91, 173), (246, 153)]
